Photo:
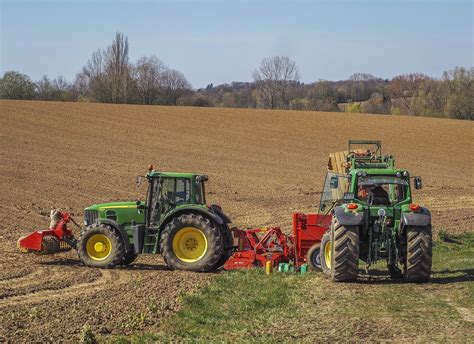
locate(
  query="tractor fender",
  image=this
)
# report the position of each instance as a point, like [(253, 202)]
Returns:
[(421, 218), (218, 210), (348, 218), (120, 229), (192, 209)]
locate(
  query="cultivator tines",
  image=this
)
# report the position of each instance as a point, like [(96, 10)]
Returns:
[(51, 244)]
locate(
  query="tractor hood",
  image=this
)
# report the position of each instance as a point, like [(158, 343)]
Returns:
[(124, 213), (113, 205)]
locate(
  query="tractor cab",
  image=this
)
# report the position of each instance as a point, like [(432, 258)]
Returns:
[(170, 191)]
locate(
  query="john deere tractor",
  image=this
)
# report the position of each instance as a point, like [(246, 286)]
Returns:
[(174, 221), (373, 216)]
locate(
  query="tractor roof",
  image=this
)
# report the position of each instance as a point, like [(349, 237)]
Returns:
[(154, 173), (377, 171)]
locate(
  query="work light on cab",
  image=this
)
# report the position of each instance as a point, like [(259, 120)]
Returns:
[(352, 206)]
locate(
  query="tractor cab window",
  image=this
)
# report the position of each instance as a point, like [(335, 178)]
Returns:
[(183, 191), (175, 190), (166, 194), (335, 187), (200, 198), (166, 190), (381, 190)]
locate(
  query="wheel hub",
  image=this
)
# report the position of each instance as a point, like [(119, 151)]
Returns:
[(99, 247), (189, 244)]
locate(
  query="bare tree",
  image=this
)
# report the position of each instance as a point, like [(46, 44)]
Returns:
[(148, 73), (402, 88), (117, 68), (44, 89), (174, 85), (362, 77), (274, 78), (107, 73), (56, 89), (93, 79)]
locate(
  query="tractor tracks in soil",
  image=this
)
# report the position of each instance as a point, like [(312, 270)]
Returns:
[(106, 278)]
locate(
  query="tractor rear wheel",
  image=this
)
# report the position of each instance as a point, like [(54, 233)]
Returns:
[(191, 242), (227, 250), (313, 257), (344, 252), (418, 258), (100, 246), (326, 254)]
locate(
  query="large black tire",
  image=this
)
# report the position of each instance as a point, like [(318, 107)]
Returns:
[(227, 250), (326, 255), (114, 246), (129, 258), (344, 252), (204, 226), (313, 257), (418, 258)]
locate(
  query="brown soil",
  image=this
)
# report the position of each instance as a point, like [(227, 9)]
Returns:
[(263, 166)]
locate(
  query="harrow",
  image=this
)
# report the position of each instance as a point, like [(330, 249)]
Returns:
[(257, 247)]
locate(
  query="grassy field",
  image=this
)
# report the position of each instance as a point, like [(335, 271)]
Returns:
[(249, 306)]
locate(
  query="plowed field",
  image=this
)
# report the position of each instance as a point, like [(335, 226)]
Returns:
[(263, 166)]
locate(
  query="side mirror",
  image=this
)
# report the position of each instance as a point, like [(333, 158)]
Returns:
[(322, 207), (334, 182), (418, 183)]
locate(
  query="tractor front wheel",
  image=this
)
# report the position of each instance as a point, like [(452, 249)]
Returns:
[(418, 258), (326, 254), (100, 246), (344, 252), (191, 242)]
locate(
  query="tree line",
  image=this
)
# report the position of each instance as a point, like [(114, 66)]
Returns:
[(109, 77)]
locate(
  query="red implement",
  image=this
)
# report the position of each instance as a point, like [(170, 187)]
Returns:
[(255, 248), (50, 240), (308, 229)]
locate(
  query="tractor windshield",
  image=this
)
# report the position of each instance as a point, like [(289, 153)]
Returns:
[(381, 190)]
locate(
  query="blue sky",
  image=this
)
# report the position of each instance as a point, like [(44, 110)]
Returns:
[(224, 41)]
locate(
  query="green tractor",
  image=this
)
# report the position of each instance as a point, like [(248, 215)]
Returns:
[(373, 216), (173, 221)]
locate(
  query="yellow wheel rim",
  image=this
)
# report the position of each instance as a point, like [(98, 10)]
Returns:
[(98, 247), (327, 254), (189, 244)]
